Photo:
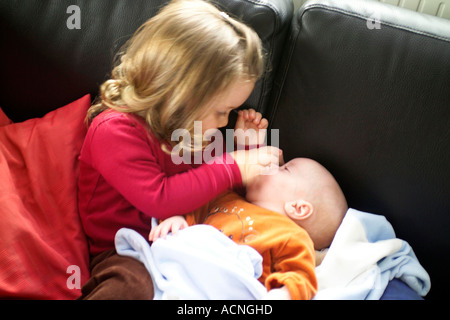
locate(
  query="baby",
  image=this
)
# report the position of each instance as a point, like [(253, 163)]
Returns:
[(307, 193), (285, 217)]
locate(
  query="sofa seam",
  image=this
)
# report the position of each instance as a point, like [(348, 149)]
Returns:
[(264, 84), (388, 23)]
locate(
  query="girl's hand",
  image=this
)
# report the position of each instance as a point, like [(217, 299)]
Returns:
[(250, 128), (172, 224), (254, 162)]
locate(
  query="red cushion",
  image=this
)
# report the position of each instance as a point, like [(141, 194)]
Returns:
[(4, 120), (43, 249)]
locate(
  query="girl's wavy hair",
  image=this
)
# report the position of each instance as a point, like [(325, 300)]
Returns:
[(176, 62)]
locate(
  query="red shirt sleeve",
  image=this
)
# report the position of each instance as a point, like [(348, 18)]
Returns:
[(130, 161)]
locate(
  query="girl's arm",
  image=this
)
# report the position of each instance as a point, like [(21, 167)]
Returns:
[(121, 152)]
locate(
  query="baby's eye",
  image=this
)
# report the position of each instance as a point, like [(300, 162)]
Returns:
[(222, 113)]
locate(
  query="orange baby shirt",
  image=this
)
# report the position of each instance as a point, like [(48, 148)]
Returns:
[(286, 248)]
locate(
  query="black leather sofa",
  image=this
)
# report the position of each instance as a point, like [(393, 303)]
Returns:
[(360, 86)]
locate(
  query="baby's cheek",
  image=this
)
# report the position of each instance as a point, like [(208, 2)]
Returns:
[(259, 188)]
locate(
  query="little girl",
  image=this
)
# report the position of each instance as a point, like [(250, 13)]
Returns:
[(188, 63)]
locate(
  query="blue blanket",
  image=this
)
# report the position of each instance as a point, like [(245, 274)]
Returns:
[(199, 262), (363, 257), (202, 263)]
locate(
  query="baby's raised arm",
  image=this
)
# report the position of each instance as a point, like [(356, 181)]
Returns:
[(250, 128)]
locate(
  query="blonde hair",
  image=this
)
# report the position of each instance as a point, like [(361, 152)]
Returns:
[(176, 62)]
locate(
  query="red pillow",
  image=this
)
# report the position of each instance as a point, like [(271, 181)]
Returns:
[(43, 249), (4, 120)]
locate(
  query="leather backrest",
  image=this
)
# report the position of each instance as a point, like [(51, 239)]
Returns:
[(46, 61), (365, 91)]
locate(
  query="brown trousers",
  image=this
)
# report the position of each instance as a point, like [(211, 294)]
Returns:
[(116, 277)]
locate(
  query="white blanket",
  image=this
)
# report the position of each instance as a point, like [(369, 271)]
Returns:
[(198, 263), (363, 257)]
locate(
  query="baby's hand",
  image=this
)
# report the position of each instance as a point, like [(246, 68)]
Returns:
[(320, 255), (278, 294), (172, 224), (250, 128)]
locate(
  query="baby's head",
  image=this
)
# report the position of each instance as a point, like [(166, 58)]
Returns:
[(306, 192)]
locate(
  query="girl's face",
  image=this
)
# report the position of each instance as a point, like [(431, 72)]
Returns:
[(220, 107)]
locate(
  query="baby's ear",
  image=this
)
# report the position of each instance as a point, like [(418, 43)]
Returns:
[(298, 209)]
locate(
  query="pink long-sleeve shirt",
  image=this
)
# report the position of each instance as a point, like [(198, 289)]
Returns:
[(126, 179)]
